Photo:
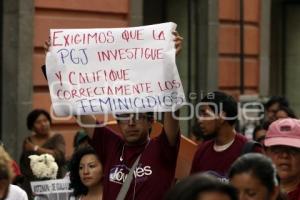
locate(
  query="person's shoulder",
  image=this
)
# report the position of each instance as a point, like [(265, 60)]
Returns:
[(15, 188), (15, 192), (248, 145), (239, 142), (241, 138), (205, 145)]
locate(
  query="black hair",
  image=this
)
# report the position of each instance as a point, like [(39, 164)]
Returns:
[(191, 187), (259, 166), (256, 129), (33, 115), (223, 102), (282, 101), (75, 181), (290, 113)]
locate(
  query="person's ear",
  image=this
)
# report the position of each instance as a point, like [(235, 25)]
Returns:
[(222, 117)]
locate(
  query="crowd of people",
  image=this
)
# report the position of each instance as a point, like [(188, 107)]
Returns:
[(105, 165), (132, 165)]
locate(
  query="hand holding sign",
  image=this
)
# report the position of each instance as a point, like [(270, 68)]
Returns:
[(94, 71), (178, 42)]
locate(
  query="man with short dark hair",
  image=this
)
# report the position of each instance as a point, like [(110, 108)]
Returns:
[(155, 171), (217, 118), (156, 158)]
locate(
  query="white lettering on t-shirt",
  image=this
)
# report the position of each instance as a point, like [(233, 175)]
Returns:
[(148, 170), (222, 177), (118, 173)]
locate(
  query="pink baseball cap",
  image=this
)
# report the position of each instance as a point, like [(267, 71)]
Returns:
[(284, 132)]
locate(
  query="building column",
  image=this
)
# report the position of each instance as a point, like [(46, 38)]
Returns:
[(208, 25), (136, 13), (16, 72), (264, 72)]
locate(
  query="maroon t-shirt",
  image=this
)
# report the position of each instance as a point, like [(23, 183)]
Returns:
[(294, 195), (154, 174), (206, 159)]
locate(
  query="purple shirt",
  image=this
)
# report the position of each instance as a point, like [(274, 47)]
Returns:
[(206, 159), (154, 174)]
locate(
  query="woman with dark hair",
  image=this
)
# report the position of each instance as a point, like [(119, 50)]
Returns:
[(42, 140), (285, 112), (254, 176), (201, 187), (86, 174)]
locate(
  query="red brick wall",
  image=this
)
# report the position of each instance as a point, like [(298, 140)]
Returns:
[(229, 45), (69, 14)]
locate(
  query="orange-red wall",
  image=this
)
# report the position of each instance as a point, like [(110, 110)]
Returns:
[(229, 45), (115, 13), (69, 14)]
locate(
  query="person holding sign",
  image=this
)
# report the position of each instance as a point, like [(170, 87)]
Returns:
[(155, 158), (134, 166), (86, 174)]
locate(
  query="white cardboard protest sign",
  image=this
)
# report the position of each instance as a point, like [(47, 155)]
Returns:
[(57, 189), (114, 70)]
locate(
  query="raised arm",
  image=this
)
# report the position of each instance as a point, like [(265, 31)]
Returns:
[(178, 42), (171, 124), (88, 123)]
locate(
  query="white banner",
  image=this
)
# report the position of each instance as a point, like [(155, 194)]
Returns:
[(113, 70), (57, 189)]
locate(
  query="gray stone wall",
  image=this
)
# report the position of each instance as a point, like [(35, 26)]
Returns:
[(16, 72)]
